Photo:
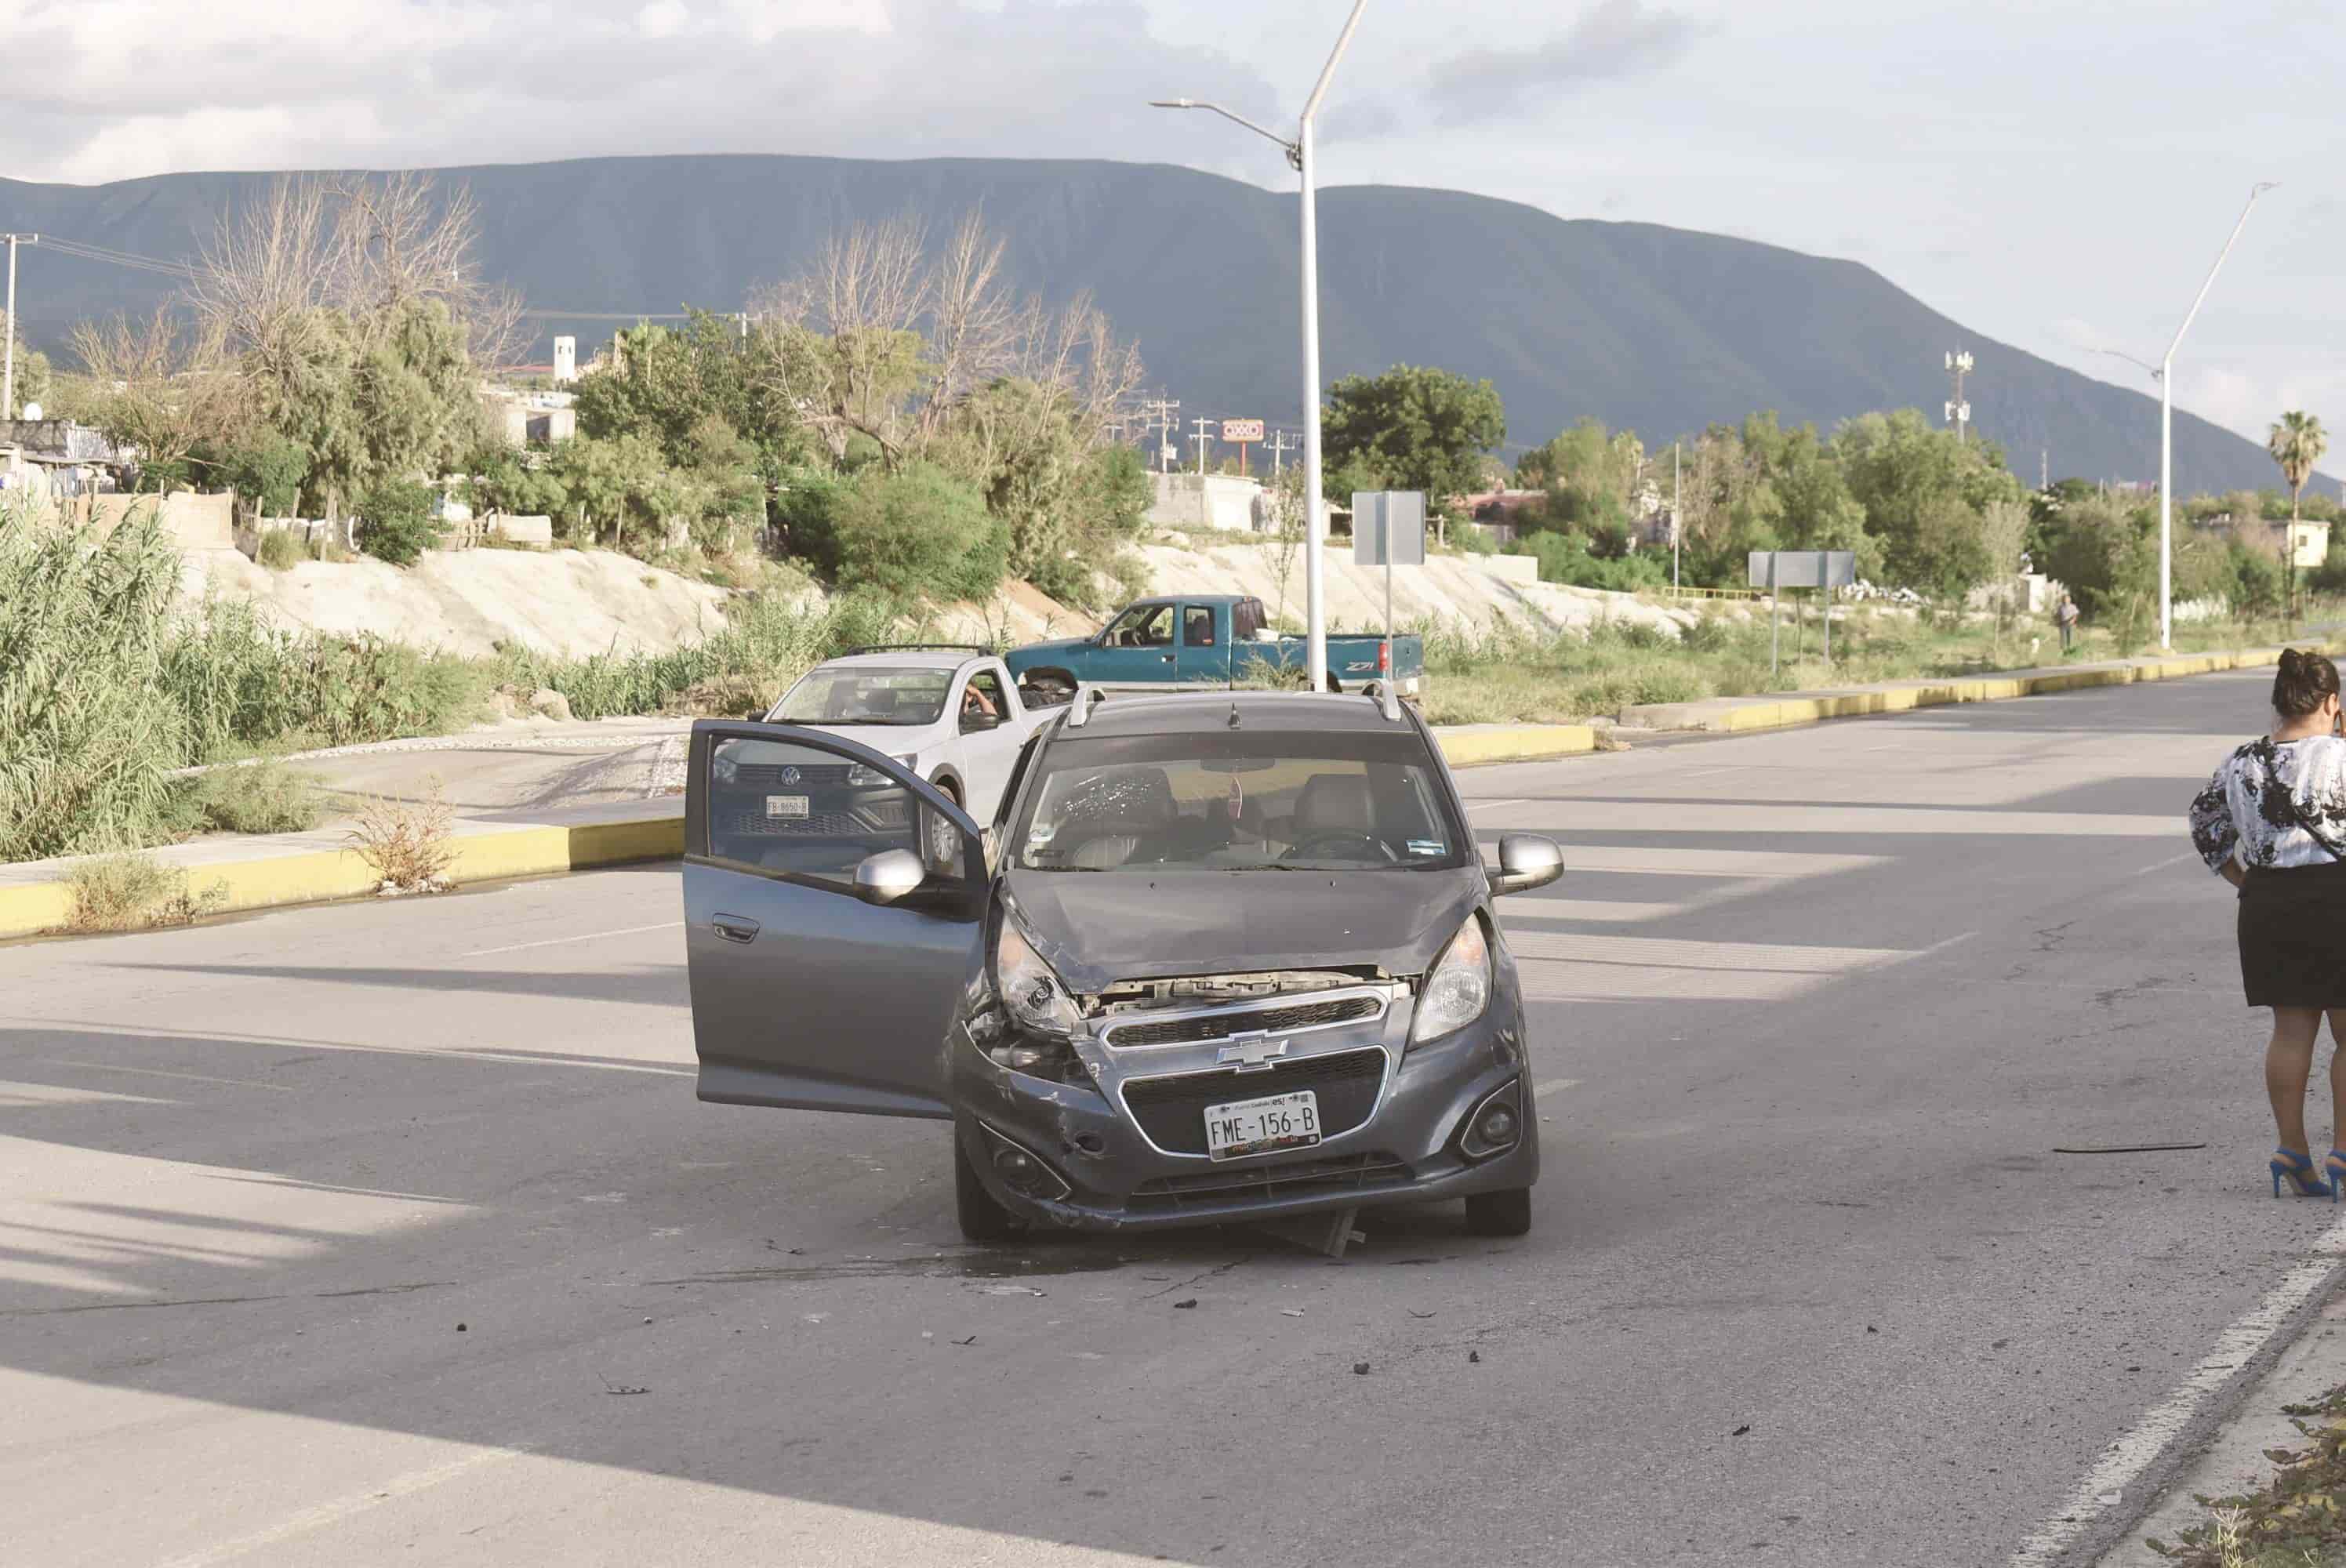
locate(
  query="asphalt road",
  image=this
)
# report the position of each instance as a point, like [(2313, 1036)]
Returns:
[(393, 1232)]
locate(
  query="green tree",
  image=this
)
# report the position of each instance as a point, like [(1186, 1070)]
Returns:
[(1422, 429), (1925, 493), (2106, 557), (32, 375), (266, 473), (395, 521), (2297, 444)]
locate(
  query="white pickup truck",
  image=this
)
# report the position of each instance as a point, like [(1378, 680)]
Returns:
[(949, 712)]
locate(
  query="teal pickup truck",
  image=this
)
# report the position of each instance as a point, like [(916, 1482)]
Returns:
[(1204, 639)]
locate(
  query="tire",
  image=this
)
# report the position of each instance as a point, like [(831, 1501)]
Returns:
[(951, 792), (1504, 1213), (980, 1214)]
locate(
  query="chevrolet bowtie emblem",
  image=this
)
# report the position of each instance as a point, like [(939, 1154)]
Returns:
[(1252, 1052)]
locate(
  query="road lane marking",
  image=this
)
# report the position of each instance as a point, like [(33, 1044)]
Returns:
[(1553, 1086), (2128, 1457), (1494, 805), (560, 941), (2170, 861), (314, 1519), (191, 1078)]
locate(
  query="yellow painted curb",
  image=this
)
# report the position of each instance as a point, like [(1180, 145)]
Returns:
[(1516, 743), (27, 909)]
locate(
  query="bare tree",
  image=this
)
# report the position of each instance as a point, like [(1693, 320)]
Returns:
[(162, 387), (365, 246)]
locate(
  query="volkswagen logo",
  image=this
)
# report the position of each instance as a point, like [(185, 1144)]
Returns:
[(790, 775)]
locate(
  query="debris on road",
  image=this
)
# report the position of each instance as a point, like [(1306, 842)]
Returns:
[(1475, 1356), (1328, 1234), (1738, 1431), (1359, 1369), (970, 1340), (1185, 1305), (611, 1387), (2131, 1149), (460, 1328), (1291, 1312)]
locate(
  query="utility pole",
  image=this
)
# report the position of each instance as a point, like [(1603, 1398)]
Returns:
[(1203, 425), (1278, 453), (1675, 525), (9, 354), (2044, 468), (1161, 411), (1959, 412)]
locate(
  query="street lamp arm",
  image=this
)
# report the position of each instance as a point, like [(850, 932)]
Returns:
[(2201, 297), (1328, 72), (2156, 372), (1226, 114)]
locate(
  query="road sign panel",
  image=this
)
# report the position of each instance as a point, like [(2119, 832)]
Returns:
[(1241, 430)]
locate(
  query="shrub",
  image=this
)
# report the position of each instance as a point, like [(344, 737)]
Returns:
[(280, 550), (132, 892), (255, 797), (918, 533), (396, 522), (1566, 558), (409, 844)]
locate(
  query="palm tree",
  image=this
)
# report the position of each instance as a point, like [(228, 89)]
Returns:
[(2297, 444)]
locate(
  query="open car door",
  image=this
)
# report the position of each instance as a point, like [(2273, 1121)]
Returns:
[(834, 912)]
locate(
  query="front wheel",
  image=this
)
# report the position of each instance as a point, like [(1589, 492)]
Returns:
[(1506, 1213), (979, 1212)]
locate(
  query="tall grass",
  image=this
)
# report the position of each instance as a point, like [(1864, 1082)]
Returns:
[(107, 686), (766, 643), (88, 734)]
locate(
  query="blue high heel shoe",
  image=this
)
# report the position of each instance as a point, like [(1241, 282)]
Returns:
[(2300, 1170), (2334, 1167)]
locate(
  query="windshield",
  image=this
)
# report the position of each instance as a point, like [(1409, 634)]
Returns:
[(1238, 802), (866, 695)]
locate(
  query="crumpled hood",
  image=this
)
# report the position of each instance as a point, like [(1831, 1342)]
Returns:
[(1097, 928)]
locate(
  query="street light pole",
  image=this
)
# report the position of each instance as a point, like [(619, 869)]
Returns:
[(2165, 374), (1298, 157)]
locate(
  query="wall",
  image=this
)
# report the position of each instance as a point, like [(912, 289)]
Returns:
[(1205, 501), (193, 521)]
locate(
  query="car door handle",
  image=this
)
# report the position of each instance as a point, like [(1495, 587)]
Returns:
[(1167, 658), (733, 928)]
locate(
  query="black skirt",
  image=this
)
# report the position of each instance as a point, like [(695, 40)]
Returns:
[(2294, 936)]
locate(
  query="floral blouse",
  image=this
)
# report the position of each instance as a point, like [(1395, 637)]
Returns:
[(2275, 804)]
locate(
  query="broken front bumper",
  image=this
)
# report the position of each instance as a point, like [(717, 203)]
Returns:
[(1117, 1171)]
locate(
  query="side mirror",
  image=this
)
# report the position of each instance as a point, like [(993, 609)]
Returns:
[(1526, 860), (884, 878)]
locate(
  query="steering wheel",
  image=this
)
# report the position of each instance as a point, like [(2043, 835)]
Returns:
[(1310, 848)]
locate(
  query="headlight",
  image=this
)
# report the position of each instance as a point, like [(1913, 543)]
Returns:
[(1028, 989), (1458, 989), (723, 767)]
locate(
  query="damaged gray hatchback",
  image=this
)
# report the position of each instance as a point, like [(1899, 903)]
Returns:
[(1217, 959)]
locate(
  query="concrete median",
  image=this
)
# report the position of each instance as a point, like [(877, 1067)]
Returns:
[(1739, 715)]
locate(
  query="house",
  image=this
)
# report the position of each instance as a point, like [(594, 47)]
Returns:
[(58, 457)]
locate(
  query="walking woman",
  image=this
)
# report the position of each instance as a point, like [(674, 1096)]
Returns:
[(2273, 822)]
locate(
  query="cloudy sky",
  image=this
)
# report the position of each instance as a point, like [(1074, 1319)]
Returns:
[(2057, 174)]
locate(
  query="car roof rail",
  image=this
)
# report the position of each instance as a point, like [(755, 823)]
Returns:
[(1079, 711), (1386, 695), (916, 647)]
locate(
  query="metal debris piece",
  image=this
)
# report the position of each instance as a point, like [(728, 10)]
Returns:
[(1328, 1234)]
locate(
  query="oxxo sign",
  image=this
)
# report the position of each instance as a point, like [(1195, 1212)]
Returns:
[(1241, 430)]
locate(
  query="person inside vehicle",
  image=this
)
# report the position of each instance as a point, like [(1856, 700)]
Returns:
[(975, 704)]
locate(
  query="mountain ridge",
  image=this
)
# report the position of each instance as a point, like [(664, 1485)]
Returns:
[(1656, 329)]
